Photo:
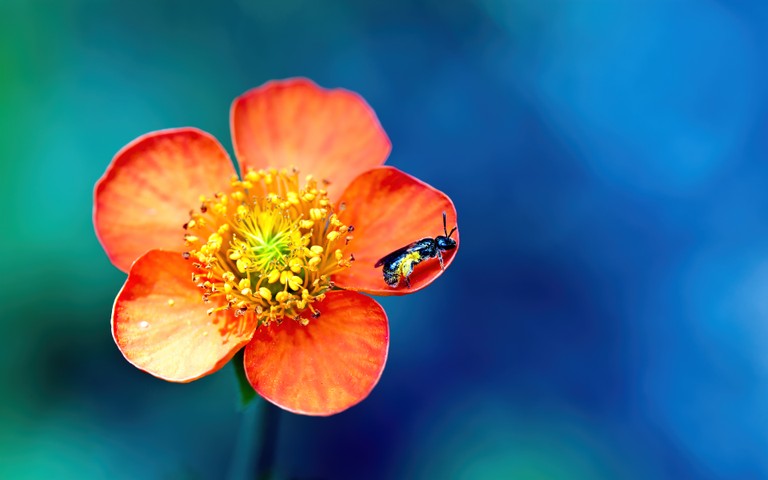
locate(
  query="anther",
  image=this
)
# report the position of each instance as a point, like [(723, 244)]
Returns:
[(281, 296), (265, 293), (295, 282), (295, 265), (273, 276)]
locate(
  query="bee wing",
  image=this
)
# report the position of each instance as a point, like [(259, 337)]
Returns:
[(392, 255)]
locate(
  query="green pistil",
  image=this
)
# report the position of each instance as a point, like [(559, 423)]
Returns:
[(270, 251)]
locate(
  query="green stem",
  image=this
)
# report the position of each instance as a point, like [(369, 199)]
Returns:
[(257, 431), (242, 458), (268, 427)]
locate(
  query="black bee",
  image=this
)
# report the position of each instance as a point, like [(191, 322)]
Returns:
[(399, 264)]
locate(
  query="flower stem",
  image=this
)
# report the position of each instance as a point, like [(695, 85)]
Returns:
[(268, 427), (257, 431)]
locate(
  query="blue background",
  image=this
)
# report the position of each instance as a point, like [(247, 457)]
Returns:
[(606, 317)]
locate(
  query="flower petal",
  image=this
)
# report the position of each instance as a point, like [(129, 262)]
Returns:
[(160, 323), (389, 210), (327, 366), (331, 134), (145, 196)]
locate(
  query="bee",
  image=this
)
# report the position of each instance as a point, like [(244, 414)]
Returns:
[(399, 264)]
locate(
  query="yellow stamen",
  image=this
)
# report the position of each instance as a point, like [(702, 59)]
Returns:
[(295, 265), (265, 293), (274, 276), (295, 282), (265, 248)]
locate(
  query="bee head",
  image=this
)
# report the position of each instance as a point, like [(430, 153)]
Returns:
[(445, 243)]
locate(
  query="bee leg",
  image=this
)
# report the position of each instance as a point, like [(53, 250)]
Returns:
[(407, 282), (440, 257)]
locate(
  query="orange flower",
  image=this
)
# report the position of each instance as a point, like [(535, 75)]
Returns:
[(272, 260)]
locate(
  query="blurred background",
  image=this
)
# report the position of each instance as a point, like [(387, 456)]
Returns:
[(606, 317)]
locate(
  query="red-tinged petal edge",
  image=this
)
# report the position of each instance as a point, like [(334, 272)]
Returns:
[(144, 198), (160, 324), (332, 134), (326, 367), (390, 209)]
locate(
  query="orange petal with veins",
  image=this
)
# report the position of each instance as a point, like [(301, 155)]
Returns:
[(390, 209), (327, 366), (161, 325), (145, 196), (332, 134)]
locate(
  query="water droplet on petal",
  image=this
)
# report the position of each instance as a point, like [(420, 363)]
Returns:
[(143, 324)]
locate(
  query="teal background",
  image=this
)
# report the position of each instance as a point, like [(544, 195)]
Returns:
[(605, 317)]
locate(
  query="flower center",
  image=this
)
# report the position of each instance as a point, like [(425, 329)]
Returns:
[(267, 247)]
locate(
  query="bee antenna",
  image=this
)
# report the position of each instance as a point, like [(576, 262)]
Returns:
[(445, 228)]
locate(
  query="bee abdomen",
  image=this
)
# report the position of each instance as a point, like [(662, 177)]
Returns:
[(392, 278)]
